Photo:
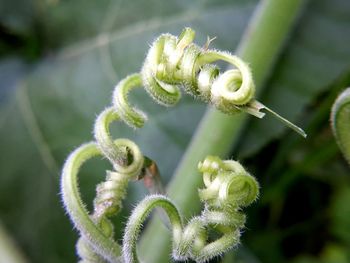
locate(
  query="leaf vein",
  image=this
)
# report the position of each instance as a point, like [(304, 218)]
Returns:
[(34, 129)]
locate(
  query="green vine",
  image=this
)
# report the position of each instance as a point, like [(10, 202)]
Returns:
[(228, 187), (171, 62), (340, 122)]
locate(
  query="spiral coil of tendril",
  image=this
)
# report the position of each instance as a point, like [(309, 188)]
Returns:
[(96, 242), (170, 63), (173, 62), (109, 197), (228, 188), (96, 230)]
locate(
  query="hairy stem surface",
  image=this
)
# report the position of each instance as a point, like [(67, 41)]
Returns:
[(217, 132)]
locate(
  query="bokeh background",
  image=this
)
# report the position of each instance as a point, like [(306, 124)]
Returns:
[(59, 62)]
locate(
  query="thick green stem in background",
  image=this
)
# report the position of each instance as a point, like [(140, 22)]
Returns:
[(9, 252), (217, 132)]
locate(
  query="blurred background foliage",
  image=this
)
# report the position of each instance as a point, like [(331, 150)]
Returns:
[(59, 62)]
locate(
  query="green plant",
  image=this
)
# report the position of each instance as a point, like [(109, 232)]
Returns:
[(340, 117), (299, 55), (170, 62), (228, 187)]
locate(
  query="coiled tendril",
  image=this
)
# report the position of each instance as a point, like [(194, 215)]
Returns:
[(228, 188), (171, 62), (174, 62), (96, 243)]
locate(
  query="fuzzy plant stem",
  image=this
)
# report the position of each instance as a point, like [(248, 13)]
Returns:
[(228, 188), (218, 133)]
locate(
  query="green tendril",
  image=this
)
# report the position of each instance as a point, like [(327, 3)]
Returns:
[(94, 238), (340, 122), (102, 135), (96, 230), (131, 115), (172, 62), (228, 188), (96, 243), (111, 192), (177, 62), (139, 215)]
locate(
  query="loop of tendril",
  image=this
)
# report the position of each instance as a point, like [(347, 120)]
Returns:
[(228, 188), (171, 62), (96, 243), (174, 62)]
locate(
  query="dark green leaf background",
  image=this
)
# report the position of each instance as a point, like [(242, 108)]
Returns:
[(59, 63)]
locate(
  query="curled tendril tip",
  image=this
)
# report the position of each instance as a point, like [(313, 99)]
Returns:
[(228, 188)]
